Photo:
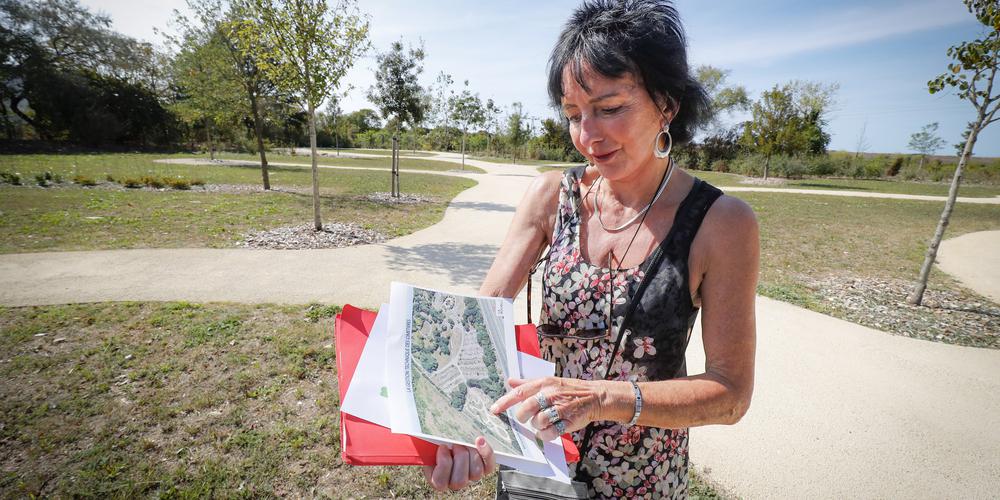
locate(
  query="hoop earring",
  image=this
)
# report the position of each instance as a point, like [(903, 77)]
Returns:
[(668, 142)]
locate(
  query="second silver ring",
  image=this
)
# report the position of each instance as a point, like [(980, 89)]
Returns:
[(552, 414), (542, 401)]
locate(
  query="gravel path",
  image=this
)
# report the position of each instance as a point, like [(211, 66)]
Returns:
[(840, 410)]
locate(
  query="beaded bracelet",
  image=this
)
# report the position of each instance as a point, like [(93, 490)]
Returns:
[(638, 403)]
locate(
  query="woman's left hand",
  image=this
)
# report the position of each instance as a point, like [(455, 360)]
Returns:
[(576, 403)]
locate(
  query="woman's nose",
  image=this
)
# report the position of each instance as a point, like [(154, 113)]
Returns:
[(590, 133)]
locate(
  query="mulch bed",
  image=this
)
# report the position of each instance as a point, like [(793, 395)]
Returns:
[(333, 235), (945, 316)]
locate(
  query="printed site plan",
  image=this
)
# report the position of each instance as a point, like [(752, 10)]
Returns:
[(454, 353)]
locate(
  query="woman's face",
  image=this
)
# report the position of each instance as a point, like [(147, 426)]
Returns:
[(614, 125)]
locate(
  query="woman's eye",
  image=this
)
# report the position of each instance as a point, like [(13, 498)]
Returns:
[(574, 118), (611, 111)]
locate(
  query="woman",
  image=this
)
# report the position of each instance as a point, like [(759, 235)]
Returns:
[(629, 231)]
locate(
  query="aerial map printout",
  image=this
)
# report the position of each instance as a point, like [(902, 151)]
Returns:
[(448, 356)]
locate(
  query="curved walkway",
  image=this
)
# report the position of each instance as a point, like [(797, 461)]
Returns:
[(974, 258), (840, 410), (453, 254), (864, 194)]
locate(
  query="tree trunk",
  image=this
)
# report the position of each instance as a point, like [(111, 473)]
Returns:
[(318, 223), (921, 166), (767, 165), (211, 141), (463, 149), (7, 125), (258, 128), (395, 166), (15, 106), (916, 297)]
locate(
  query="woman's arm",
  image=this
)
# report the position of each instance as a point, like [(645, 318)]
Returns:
[(722, 394), (719, 396)]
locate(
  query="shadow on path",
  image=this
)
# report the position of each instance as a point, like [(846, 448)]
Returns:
[(464, 264), (482, 205)]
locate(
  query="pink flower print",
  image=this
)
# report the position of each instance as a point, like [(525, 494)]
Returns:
[(643, 346), (632, 435)]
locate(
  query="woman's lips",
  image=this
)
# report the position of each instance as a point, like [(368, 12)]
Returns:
[(605, 157)]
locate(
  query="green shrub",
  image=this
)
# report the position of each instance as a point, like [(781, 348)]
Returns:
[(42, 180), (177, 183), (84, 180), (12, 178), (109, 178), (749, 165), (153, 182), (132, 182), (721, 166), (822, 165), (197, 182)]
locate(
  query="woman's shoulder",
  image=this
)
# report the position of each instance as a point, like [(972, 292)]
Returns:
[(730, 222)]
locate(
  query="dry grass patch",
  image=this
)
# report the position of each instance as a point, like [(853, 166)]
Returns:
[(181, 400)]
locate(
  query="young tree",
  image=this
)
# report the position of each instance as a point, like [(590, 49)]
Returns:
[(467, 111), (862, 145), (973, 74), (789, 120), (305, 48), (397, 93), (773, 124), (517, 131), (335, 113), (255, 83), (725, 99), (210, 91), (926, 142), (492, 122), (441, 93)]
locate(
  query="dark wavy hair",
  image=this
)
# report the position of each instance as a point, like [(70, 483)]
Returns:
[(643, 38)]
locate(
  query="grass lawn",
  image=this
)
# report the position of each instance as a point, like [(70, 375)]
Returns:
[(118, 165), (181, 400), (862, 185), (381, 152), (520, 161), (380, 162), (806, 238), (75, 218)]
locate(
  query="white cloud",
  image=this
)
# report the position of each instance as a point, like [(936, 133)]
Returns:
[(764, 44)]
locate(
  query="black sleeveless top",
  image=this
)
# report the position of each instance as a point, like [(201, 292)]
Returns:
[(621, 460)]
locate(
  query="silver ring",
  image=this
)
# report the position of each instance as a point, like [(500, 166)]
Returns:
[(553, 414), (560, 426), (543, 403)]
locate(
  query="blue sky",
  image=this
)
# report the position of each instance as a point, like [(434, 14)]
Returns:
[(880, 52)]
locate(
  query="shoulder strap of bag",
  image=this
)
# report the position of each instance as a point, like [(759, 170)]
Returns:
[(623, 331)]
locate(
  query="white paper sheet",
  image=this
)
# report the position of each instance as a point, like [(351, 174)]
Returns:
[(368, 395), (438, 356)]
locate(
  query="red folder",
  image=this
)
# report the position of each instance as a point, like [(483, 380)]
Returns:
[(365, 443)]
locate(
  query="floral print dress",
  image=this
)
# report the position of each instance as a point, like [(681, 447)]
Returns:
[(620, 460)]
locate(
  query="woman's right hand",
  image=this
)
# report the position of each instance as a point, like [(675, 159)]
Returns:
[(458, 465)]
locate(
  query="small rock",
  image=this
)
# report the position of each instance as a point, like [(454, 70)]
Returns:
[(328, 346), (40, 334), (59, 340), (128, 357), (232, 342)]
